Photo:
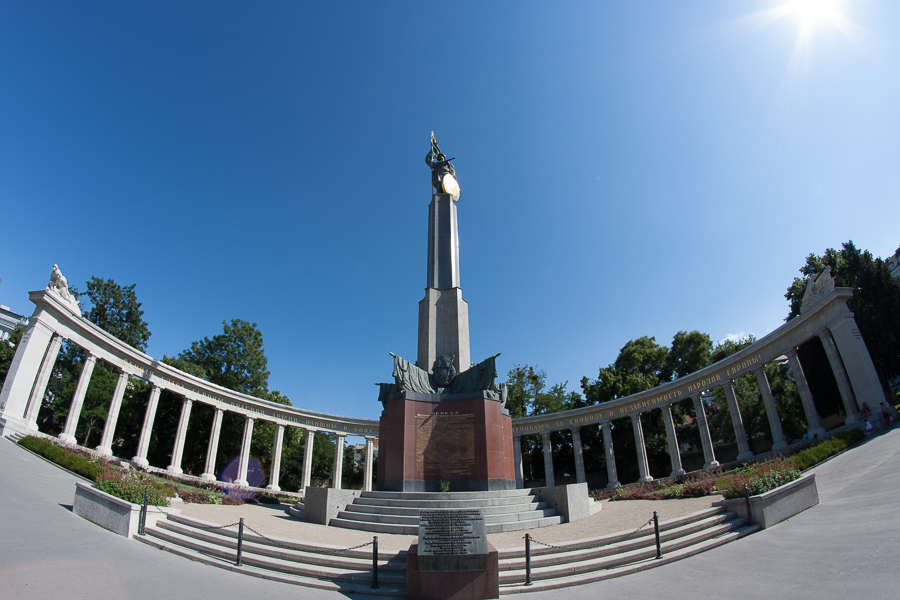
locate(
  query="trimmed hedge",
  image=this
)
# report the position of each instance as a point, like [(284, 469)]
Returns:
[(64, 458), (827, 448)]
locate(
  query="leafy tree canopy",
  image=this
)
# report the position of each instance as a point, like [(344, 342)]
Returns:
[(234, 359), (527, 397), (116, 310)]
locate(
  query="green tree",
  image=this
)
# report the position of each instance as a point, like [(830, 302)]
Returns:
[(115, 309), (234, 359), (875, 302), (8, 351), (690, 352)]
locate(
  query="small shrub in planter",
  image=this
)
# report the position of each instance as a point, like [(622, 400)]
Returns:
[(132, 486)]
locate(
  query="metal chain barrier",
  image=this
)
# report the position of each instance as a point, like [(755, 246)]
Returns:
[(373, 543), (569, 548), (321, 550), (528, 539)]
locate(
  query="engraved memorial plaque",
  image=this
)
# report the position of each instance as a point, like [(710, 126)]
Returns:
[(445, 445), (452, 540)]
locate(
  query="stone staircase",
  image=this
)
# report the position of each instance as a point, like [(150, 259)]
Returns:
[(350, 570), (398, 512), (585, 561), (279, 559)]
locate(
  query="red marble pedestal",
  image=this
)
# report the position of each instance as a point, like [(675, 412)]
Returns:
[(425, 439), (452, 585)]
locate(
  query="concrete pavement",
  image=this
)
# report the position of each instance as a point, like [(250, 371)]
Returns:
[(847, 546)]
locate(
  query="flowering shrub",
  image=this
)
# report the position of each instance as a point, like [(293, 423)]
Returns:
[(758, 478), (131, 487)]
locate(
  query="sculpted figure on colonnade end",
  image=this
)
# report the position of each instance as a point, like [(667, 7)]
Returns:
[(59, 286), (817, 289)]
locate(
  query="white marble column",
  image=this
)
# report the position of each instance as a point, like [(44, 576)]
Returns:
[(338, 471), (370, 459), (771, 410), (674, 452), (180, 435), (840, 377), (517, 461), (737, 422), (806, 399), (308, 459), (643, 466), (858, 364), (146, 429), (611, 475), (209, 473), (276, 459), (549, 479), (22, 375), (43, 378), (580, 476), (709, 455), (84, 380), (244, 463), (109, 428)]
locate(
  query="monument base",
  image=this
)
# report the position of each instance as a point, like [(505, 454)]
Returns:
[(452, 585), (430, 441)]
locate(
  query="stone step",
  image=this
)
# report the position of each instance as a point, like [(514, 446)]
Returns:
[(308, 555), (604, 549), (619, 558), (252, 556), (349, 588), (516, 585), (413, 519), (348, 522), (645, 531), (447, 495), (447, 503), (410, 511)]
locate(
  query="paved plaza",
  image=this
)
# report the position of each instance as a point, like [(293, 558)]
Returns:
[(845, 547)]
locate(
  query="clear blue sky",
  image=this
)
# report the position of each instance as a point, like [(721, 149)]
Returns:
[(627, 168)]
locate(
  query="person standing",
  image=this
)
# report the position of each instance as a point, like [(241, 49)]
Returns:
[(886, 415)]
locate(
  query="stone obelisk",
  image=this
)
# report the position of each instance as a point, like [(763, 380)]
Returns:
[(443, 313), (444, 420)]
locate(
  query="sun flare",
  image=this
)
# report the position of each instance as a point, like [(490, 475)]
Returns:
[(810, 11)]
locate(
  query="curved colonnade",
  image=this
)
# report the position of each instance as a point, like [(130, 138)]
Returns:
[(829, 319), (53, 321)]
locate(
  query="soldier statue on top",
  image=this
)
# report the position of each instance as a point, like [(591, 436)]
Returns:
[(443, 174)]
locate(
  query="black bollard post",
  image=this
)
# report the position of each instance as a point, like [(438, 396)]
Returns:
[(142, 524), (528, 559), (656, 528), (747, 498), (240, 546), (375, 562)]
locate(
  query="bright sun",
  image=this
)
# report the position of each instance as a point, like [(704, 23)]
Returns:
[(814, 10)]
